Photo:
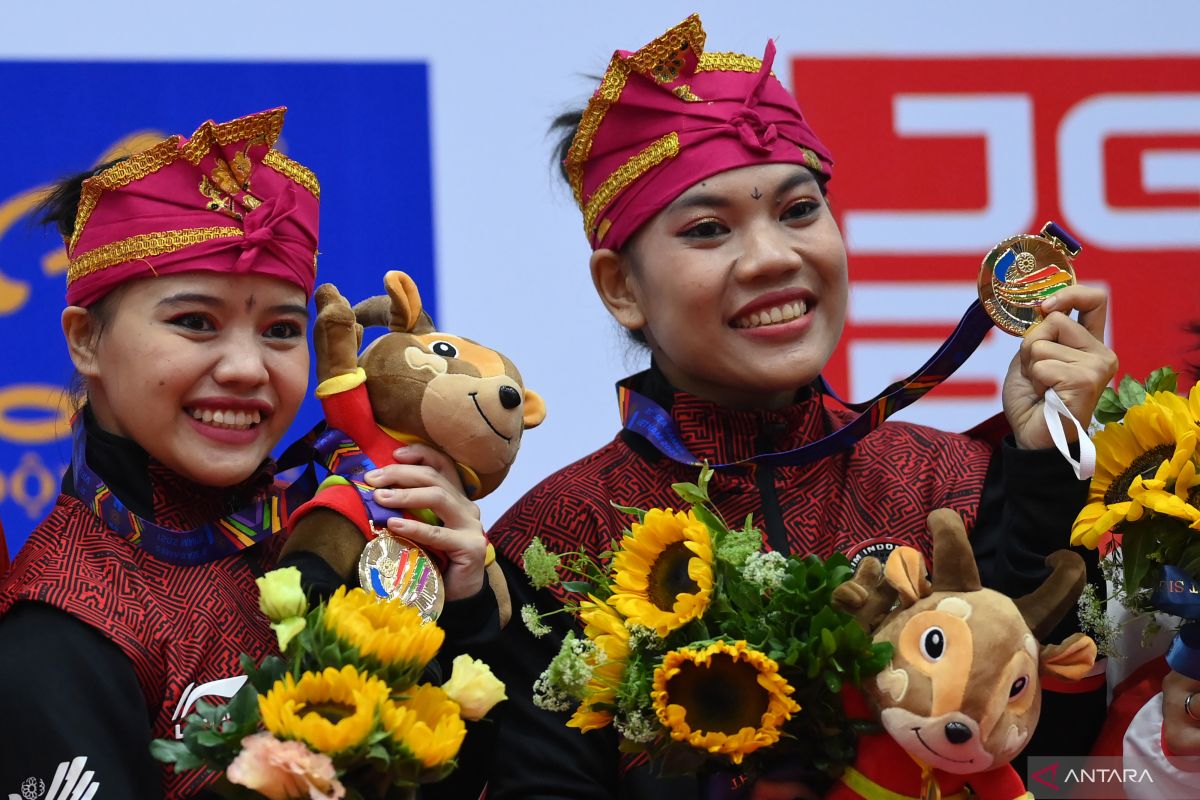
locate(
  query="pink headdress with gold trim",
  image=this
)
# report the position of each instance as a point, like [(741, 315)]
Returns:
[(223, 200), (671, 115)]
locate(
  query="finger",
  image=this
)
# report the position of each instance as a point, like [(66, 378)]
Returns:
[(460, 546), (1182, 733), (451, 508), (408, 476), (1090, 301), (423, 454)]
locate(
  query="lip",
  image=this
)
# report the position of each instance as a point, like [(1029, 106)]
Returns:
[(776, 298), (225, 435)]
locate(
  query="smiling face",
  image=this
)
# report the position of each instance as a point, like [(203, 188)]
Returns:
[(739, 285), (205, 371)]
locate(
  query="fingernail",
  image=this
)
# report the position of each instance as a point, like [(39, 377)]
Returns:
[(400, 451), (397, 523), (373, 474)]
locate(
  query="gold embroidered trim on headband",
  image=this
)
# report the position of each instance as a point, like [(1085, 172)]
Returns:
[(728, 62), (647, 61), (143, 245), (293, 171), (627, 173), (266, 125)]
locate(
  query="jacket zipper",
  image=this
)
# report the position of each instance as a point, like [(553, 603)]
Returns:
[(764, 480)]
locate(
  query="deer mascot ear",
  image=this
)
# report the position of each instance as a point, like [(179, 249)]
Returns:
[(406, 301), (1070, 660), (905, 570)]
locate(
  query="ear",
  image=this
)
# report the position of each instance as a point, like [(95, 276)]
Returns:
[(79, 329), (613, 282), (406, 300), (535, 409), (905, 570), (1070, 660)]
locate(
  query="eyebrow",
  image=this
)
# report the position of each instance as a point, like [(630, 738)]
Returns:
[(715, 200), (209, 301)]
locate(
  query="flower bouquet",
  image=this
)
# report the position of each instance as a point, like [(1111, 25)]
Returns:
[(341, 714), (1146, 493), (701, 650)]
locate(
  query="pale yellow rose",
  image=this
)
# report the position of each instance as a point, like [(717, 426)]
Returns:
[(287, 630), (473, 686), (280, 596), (281, 770)]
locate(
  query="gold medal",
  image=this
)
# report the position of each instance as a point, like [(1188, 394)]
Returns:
[(1021, 272), (392, 567)]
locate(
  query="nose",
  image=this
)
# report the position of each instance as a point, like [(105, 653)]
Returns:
[(770, 250), (241, 363), (510, 398), (957, 732)]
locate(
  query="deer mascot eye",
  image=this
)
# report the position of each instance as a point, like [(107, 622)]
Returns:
[(933, 644), (1018, 686), (444, 349)]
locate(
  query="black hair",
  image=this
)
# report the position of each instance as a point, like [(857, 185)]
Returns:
[(59, 208)]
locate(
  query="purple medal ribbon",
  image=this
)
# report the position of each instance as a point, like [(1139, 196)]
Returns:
[(339, 454), (208, 542), (648, 419)]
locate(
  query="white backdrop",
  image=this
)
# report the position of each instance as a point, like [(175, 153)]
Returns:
[(511, 257)]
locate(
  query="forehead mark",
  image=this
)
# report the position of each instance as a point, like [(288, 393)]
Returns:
[(756, 194)]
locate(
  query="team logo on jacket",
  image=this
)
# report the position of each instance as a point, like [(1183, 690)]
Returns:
[(879, 547), (70, 781)]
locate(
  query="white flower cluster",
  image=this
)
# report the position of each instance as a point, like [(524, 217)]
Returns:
[(765, 570), (567, 676), (645, 638), (549, 698), (533, 621), (638, 725)]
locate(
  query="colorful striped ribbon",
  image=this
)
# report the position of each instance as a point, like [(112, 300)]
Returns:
[(208, 542), (643, 416)]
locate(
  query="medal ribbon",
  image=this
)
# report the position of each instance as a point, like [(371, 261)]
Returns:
[(208, 542), (648, 419), (338, 453)]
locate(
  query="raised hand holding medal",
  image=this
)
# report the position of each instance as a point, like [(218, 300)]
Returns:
[(1027, 286)]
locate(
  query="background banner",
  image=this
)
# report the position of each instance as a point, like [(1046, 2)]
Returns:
[(953, 125)]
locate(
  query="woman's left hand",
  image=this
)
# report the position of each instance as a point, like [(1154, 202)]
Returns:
[(423, 477), (1062, 354)]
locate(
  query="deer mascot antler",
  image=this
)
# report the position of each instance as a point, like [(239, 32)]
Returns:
[(962, 694)]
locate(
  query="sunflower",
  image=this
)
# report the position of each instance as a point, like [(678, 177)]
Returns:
[(425, 726), (330, 711), (1151, 433), (604, 627), (388, 633), (1181, 501), (725, 698), (663, 571)]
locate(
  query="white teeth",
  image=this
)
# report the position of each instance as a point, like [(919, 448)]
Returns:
[(773, 316), (237, 420)]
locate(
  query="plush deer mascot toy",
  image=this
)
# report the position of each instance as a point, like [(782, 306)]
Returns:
[(962, 695), (413, 384)]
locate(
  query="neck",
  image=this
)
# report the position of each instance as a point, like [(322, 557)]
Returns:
[(747, 399)]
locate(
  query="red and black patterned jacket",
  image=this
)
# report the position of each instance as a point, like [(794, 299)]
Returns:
[(1018, 504)]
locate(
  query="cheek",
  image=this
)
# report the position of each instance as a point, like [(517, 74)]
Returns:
[(289, 373)]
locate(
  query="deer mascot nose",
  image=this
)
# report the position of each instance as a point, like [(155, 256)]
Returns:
[(957, 733), (510, 398)]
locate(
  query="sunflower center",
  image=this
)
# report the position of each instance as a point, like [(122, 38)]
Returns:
[(724, 696), (669, 576), (331, 710), (1145, 465)]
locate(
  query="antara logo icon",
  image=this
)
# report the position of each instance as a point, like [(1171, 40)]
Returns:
[(224, 688)]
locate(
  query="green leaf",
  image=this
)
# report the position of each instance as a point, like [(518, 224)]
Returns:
[(172, 752), (691, 493), (582, 587), (1137, 542), (1130, 392), (630, 510), (1109, 408), (1163, 379), (711, 520), (243, 708)]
